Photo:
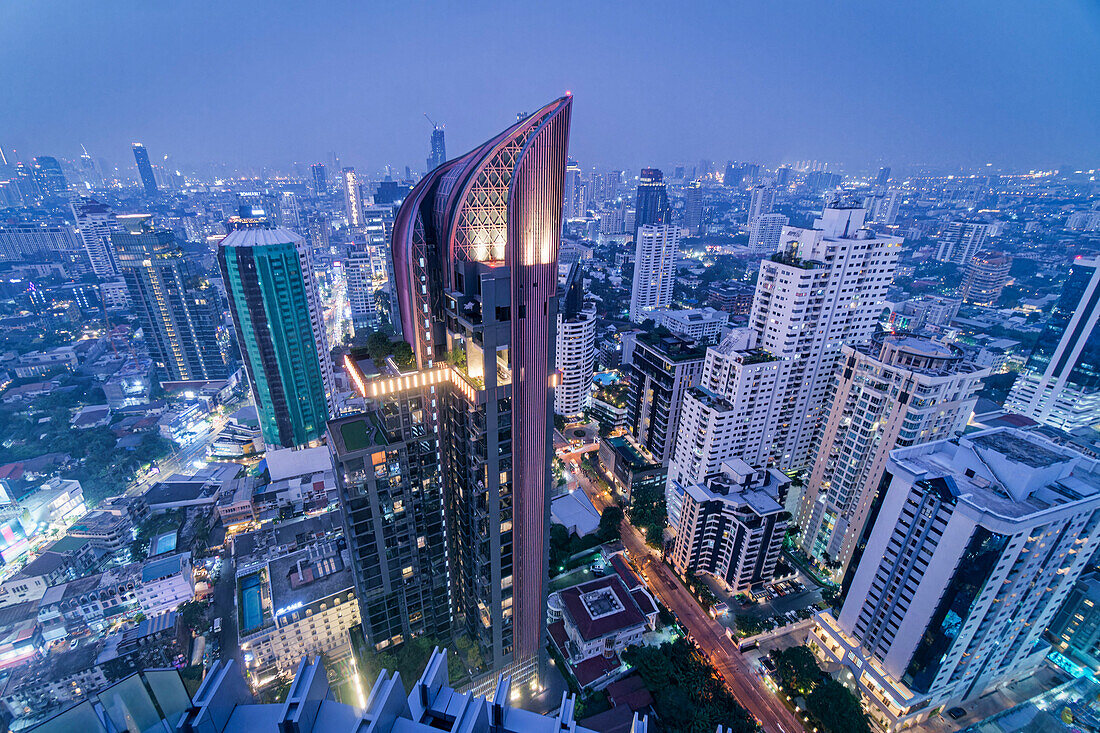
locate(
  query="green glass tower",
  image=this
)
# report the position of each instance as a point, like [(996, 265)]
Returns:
[(273, 300)]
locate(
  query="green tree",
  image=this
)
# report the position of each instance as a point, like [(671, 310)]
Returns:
[(797, 670), (610, 528), (836, 709)]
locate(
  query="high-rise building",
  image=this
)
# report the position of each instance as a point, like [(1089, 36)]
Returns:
[(353, 199), (1076, 628), (972, 548), (732, 525), (883, 176), (961, 240), (783, 176), (438, 155), (651, 205), (145, 169), (289, 213), (693, 207), (761, 202), (661, 368), (475, 248), (49, 177), (766, 233), (899, 390), (883, 207), (178, 311), (825, 287), (320, 177), (986, 276), (576, 347), (94, 222), (1060, 383), (280, 329), (359, 269), (391, 493), (573, 199), (732, 413), (655, 250)]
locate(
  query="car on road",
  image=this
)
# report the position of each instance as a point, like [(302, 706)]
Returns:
[(218, 625), (956, 713)]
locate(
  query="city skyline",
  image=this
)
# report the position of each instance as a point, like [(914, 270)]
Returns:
[(941, 94)]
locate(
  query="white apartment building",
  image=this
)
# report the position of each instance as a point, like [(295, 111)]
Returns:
[(731, 525), (760, 203), (94, 222), (975, 546), (766, 232), (298, 604), (727, 416), (897, 391), (826, 288), (359, 270), (1060, 383), (654, 269), (701, 324), (165, 584), (961, 240), (576, 360)]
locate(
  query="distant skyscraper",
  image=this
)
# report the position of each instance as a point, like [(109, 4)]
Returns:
[(1060, 383), (280, 329), (884, 207), (573, 197), (145, 169), (783, 177), (655, 251), (973, 547), (290, 214), (883, 176), (693, 207), (651, 205), (353, 199), (986, 277), (475, 270), (179, 313), (897, 391), (49, 177), (760, 203), (94, 222), (766, 233), (576, 347), (320, 177), (438, 155), (961, 240)]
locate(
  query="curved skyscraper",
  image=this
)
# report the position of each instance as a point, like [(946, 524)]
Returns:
[(475, 248)]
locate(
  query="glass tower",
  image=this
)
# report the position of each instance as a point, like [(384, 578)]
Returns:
[(145, 169), (273, 300), (178, 313), (651, 205)]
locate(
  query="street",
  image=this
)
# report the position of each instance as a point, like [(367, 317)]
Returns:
[(708, 634)]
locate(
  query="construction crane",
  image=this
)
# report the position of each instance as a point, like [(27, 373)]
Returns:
[(432, 122)]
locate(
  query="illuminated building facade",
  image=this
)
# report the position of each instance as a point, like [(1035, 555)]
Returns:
[(280, 329), (179, 315), (475, 249)]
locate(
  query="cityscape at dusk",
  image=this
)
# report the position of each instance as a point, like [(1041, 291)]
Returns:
[(528, 368)]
